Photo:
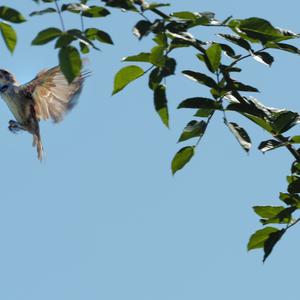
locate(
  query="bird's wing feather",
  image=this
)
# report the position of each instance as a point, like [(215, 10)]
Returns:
[(52, 95)]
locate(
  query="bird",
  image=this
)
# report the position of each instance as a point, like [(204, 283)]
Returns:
[(47, 96)]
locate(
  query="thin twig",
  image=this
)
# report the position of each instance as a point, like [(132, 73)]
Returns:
[(246, 56), (60, 16), (81, 21), (293, 224), (290, 147)]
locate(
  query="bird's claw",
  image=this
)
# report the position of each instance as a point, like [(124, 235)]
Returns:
[(14, 126)]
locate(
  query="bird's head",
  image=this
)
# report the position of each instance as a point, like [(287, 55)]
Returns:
[(6, 78)]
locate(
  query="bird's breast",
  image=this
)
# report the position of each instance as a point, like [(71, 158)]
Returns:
[(15, 104)]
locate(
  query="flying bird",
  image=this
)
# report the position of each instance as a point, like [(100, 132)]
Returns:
[(47, 96)]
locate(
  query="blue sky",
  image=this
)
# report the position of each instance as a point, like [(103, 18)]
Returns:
[(102, 217)]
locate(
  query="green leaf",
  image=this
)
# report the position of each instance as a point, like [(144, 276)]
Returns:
[(240, 134), (11, 15), (268, 211), (203, 112), (70, 62), (141, 57), (64, 40), (236, 40), (161, 103), (200, 102), (101, 36), (239, 86), (84, 48), (214, 53), (290, 199), (42, 12), (269, 145), (200, 78), (182, 157), (258, 239), (193, 129), (95, 12), (295, 139), (260, 29), (46, 36), (283, 216), (157, 56), (263, 57), (9, 36), (284, 47), (126, 75), (154, 5)]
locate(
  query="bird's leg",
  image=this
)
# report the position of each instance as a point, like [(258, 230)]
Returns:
[(14, 126)]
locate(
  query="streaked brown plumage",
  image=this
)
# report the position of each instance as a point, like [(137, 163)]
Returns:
[(47, 96)]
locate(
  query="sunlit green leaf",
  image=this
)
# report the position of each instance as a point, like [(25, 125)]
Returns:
[(258, 239), (9, 36), (214, 53), (141, 57), (125, 76), (46, 36), (182, 157)]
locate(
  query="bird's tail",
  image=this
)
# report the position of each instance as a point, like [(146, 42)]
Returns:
[(37, 141)]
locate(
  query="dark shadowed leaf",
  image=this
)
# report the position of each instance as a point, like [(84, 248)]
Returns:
[(9, 36), (84, 48), (284, 47), (193, 129), (142, 28), (182, 157), (155, 78), (200, 102), (42, 12), (269, 145), (97, 34), (283, 217), (239, 86), (200, 78), (161, 103), (257, 240), (284, 120), (46, 35), (263, 57), (64, 40), (294, 185), (125, 76), (240, 134), (141, 57), (70, 62), (290, 199), (11, 15), (269, 244), (236, 40), (123, 4)]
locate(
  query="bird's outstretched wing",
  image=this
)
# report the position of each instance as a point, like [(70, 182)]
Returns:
[(51, 94)]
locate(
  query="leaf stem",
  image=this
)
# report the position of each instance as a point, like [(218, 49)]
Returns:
[(60, 16), (290, 148), (293, 224), (82, 22)]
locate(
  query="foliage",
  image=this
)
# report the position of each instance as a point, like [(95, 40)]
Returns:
[(238, 39)]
